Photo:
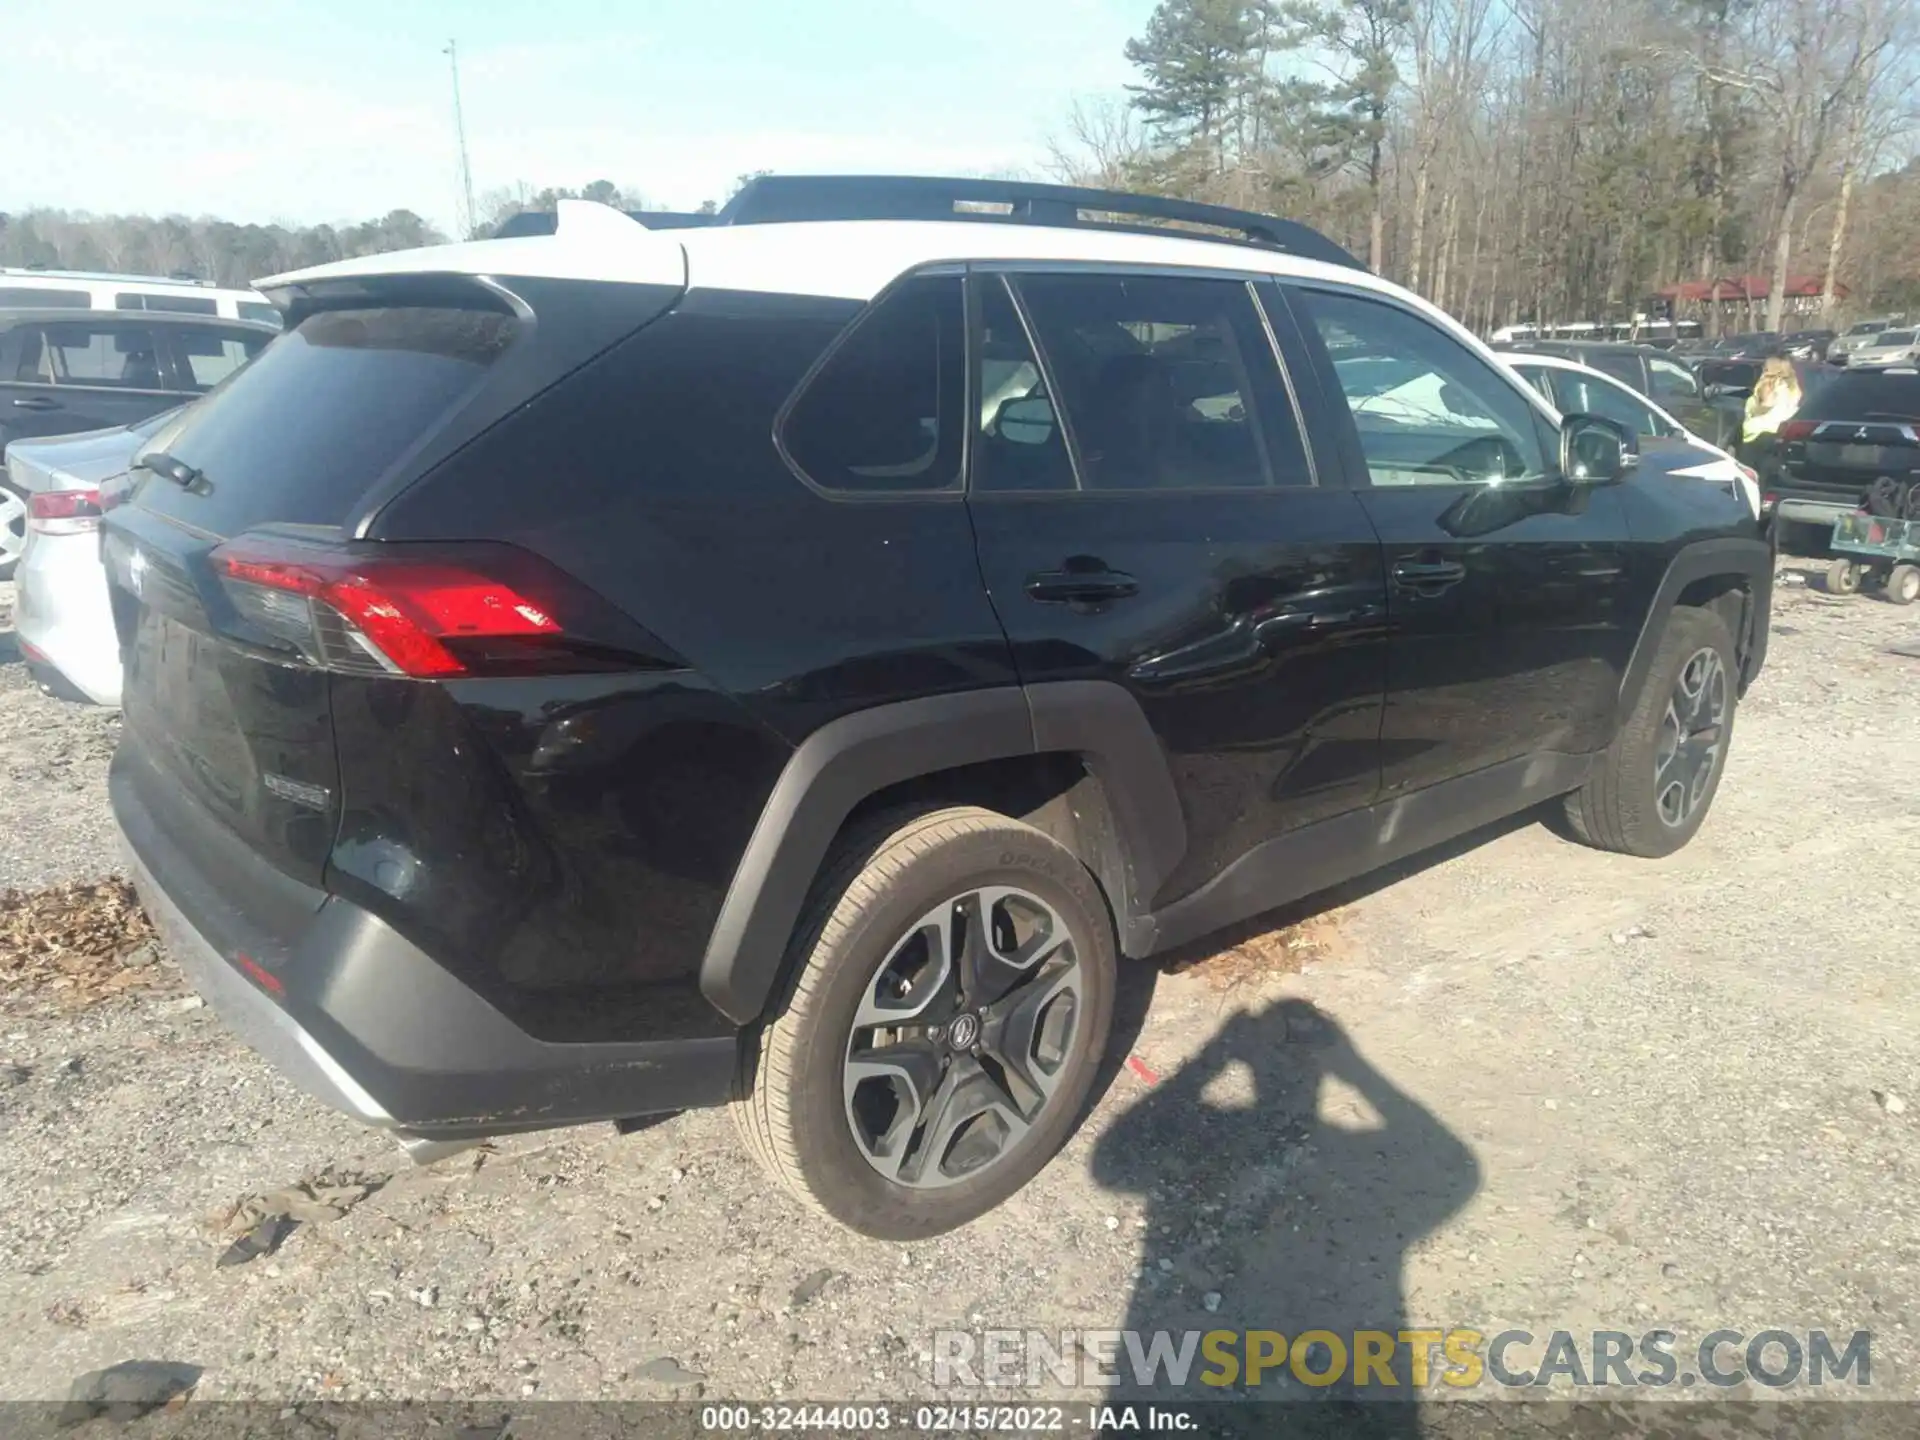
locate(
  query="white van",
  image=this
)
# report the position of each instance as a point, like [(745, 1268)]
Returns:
[(89, 290)]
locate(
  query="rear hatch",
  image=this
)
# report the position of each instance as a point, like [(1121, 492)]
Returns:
[(238, 584), (1860, 428)]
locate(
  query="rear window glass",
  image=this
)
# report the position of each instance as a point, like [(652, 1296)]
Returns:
[(32, 297), (254, 310), (1865, 396), (299, 435)]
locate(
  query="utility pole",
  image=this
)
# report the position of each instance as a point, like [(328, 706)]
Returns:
[(466, 217)]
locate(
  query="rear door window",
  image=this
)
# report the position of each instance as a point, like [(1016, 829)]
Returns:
[(883, 414), (206, 357), (1625, 368), (105, 354), (329, 407), (1167, 383)]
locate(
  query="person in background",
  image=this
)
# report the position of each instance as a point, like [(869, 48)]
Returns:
[(1776, 397)]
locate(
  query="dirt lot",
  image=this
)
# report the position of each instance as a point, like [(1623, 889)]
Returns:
[(1523, 1085)]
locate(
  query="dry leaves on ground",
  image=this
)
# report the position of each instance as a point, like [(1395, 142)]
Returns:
[(77, 944), (1258, 954)]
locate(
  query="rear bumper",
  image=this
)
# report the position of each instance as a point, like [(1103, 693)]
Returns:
[(62, 610), (359, 1017)]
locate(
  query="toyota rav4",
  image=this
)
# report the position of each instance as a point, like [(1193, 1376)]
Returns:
[(790, 662)]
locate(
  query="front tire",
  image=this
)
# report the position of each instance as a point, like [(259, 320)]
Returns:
[(1903, 582), (950, 992), (1651, 789)]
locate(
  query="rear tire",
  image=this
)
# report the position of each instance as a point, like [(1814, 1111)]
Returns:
[(1903, 584), (1651, 789), (862, 1151)]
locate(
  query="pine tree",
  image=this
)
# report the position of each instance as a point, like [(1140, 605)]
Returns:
[(1202, 65)]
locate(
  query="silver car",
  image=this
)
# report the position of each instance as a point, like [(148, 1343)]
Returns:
[(62, 618), (1889, 347), (1840, 352)]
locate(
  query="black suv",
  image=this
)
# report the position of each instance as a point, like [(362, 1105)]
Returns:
[(787, 662)]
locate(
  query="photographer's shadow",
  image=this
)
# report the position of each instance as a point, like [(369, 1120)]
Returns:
[(1289, 1178)]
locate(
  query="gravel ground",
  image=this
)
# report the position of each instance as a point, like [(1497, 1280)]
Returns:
[(1520, 1084), (53, 769)]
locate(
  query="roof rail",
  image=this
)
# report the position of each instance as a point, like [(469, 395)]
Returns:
[(545, 222), (772, 198)]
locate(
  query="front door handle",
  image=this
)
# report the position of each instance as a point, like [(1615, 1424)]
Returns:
[(1428, 577), (36, 402), (1085, 587)]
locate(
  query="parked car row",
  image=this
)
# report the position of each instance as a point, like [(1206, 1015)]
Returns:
[(90, 368)]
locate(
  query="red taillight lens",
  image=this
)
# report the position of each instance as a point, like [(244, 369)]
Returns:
[(1796, 429), (420, 614), (63, 512)]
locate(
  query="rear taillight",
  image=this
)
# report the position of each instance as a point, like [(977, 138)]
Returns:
[(430, 612), (63, 512), (1796, 429)]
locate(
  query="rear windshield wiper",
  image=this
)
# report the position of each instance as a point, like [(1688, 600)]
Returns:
[(187, 477)]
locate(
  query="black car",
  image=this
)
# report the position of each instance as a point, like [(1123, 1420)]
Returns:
[(64, 370), (1808, 345), (788, 662), (1669, 380), (1853, 444)]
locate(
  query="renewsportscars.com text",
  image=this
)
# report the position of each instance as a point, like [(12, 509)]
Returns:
[(1459, 1358)]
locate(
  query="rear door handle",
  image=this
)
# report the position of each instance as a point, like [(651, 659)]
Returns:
[(1083, 586), (36, 402), (1429, 577)]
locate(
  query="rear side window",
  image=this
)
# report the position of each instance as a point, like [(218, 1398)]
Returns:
[(176, 304), (882, 415), (1865, 395), (107, 354), (32, 297), (302, 434)]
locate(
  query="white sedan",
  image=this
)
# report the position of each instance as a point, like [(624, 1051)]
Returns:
[(61, 613), (1573, 388)]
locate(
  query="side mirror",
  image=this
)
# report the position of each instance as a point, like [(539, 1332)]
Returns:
[(1025, 420), (1595, 450)]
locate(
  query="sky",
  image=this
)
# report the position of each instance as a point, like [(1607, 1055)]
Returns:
[(263, 110)]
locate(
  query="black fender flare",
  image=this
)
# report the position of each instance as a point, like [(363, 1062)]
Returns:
[(1749, 559), (847, 760)]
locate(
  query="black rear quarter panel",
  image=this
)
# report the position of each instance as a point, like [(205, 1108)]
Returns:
[(575, 838)]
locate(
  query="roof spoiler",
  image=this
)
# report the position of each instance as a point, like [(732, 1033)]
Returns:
[(583, 240)]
